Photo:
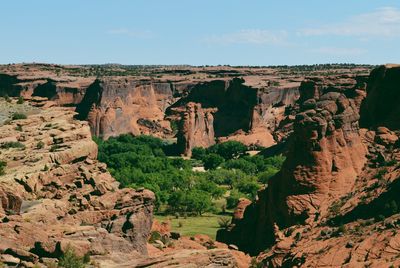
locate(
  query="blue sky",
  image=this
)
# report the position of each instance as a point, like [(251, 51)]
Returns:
[(235, 32)]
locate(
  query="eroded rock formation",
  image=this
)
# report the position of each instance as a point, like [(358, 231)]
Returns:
[(197, 128), (114, 106), (55, 194), (248, 109), (323, 162), (334, 203)]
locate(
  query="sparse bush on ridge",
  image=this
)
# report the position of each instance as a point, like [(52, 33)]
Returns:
[(20, 100), (12, 144), (3, 166), (18, 116), (40, 145), (71, 260)]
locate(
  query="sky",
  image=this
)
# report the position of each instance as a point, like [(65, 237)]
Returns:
[(200, 32)]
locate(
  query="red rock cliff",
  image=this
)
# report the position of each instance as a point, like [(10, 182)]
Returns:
[(325, 156)]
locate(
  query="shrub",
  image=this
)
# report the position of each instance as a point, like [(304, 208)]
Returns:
[(379, 217), (12, 144), (224, 222), (335, 208), (20, 100), (71, 260), (18, 116), (379, 175), (391, 208), (54, 147), (174, 126), (18, 128), (2, 167), (341, 229), (7, 99), (40, 145), (233, 199), (86, 258), (391, 162), (155, 235), (297, 236)]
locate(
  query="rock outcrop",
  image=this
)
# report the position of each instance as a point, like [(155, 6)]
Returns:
[(381, 107), (238, 112), (114, 106), (325, 156), (335, 201), (55, 194), (197, 128)]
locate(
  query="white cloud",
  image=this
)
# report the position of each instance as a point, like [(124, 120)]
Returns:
[(338, 51), (383, 22), (131, 33), (250, 36)]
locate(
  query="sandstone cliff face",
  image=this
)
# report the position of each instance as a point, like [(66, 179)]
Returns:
[(239, 112), (325, 156), (114, 106), (65, 91), (381, 108), (334, 203), (248, 110), (197, 128), (55, 194)]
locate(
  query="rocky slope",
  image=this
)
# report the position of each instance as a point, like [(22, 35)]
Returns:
[(55, 195), (334, 203)]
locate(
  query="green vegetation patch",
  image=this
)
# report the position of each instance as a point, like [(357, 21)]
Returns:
[(145, 161), (12, 144), (207, 224)]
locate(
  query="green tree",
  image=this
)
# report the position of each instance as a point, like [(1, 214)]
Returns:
[(249, 186), (20, 100), (198, 153), (71, 260), (229, 150), (264, 176), (212, 161), (194, 201), (233, 199), (241, 164)]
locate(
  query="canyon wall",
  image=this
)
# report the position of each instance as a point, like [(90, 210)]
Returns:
[(238, 112), (235, 108), (324, 158), (381, 107), (113, 106)]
